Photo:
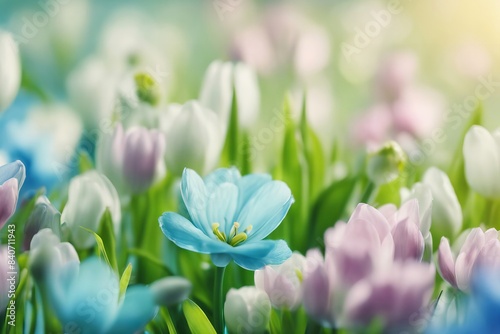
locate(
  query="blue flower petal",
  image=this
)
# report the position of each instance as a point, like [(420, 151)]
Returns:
[(486, 293), (221, 206), (87, 304), (266, 209), (194, 195), (130, 317), (221, 260), (220, 176), (255, 255), (248, 185), (185, 235)]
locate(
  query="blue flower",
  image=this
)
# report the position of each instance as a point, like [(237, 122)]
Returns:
[(229, 217), (481, 308), (87, 300)]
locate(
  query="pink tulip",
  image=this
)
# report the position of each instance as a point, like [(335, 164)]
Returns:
[(143, 157), (318, 289), (132, 160), (479, 249), (371, 269), (12, 177), (393, 294), (369, 238)]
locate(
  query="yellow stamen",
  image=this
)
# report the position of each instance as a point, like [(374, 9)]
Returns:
[(234, 230), (238, 239), (234, 238), (220, 235)]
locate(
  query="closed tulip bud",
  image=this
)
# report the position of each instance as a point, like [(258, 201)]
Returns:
[(90, 194), (109, 156), (44, 215), (283, 283), (194, 139), (386, 164), (446, 210), (143, 158), (133, 160), (318, 290), (479, 249), (217, 91), (10, 70), (247, 310), (423, 194), (148, 90), (12, 177), (170, 290), (482, 161), (49, 255)]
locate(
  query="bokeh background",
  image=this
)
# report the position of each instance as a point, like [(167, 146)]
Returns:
[(336, 51)]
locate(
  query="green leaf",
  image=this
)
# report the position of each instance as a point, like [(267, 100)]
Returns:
[(168, 320), (389, 193), (245, 164), (294, 173), (152, 259), (197, 320), (125, 279), (29, 84), (330, 207), (457, 168), (275, 323), (107, 233), (101, 250), (230, 155), (314, 155), (84, 162)]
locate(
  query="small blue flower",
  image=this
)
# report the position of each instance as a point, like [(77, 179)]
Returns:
[(229, 217), (86, 300), (481, 313)]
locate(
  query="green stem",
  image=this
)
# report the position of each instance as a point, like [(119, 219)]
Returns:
[(365, 198), (219, 299), (313, 327)]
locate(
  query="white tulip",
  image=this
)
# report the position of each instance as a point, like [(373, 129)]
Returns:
[(423, 194), (49, 255), (88, 197), (10, 70), (194, 139), (217, 90), (247, 310), (482, 161), (446, 210), (283, 283)]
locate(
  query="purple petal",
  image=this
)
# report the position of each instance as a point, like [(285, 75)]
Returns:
[(446, 262), (8, 200), (408, 241)]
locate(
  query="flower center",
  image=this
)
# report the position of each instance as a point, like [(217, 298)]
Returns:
[(235, 237)]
